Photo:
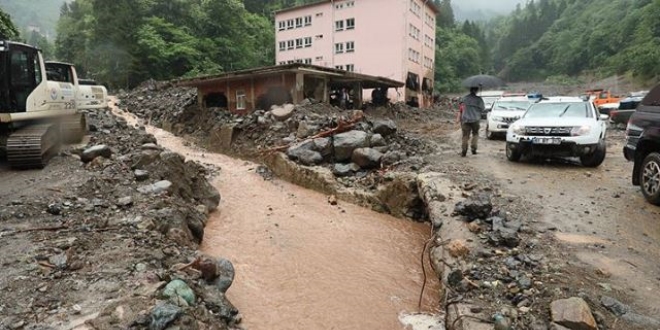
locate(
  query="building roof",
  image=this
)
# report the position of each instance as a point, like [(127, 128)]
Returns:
[(335, 76), (321, 2)]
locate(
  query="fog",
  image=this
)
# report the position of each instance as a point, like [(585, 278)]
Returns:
[(500, 6)]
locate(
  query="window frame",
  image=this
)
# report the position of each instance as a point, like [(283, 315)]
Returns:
[(350, 67), (299, 43), (299, 22), (282, 46), (290, 24), (350, 49), (339, 25), (339, 48), (241, 97), (351, 26), (308, 20), (290, 44), (281, 25), (307, 42)]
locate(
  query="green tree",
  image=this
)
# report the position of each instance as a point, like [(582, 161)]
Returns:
[(7, 28)]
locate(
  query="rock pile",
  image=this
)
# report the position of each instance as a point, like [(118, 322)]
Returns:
[(112, 238)]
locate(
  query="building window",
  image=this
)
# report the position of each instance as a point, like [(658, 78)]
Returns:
[(350, 24), (350, 4), (299, 22), (308, 42), (240, 100), (282, 25), (289, 24), (308, 61), (299, 43), (290, 62), (319, 36), (414, 31), (350, 46), (339, 25), (339, 67), (283, 62), (289, 44), (415, 7), (339, 48), (339, 6), (299, 60), (282, 46), (428, 41), (308, 20), (319, 14), (350, 67), (319, 58)]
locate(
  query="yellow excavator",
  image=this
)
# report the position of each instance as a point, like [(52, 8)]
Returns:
[(36, 115)]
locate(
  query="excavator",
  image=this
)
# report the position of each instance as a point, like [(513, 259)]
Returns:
[(36, 115), (88, 94)]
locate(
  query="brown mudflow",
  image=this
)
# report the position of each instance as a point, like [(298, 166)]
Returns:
[(304, 264)]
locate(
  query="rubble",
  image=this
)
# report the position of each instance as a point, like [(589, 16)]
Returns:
[(573, 313), (96, 249)]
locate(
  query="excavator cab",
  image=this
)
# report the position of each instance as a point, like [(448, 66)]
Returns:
[(20, 74)]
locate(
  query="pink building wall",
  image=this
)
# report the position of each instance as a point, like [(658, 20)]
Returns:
[(381, 36)]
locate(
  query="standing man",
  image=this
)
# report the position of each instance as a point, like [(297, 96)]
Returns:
[(470, 115)]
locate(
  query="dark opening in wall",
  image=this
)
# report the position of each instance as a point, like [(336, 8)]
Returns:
[(215, 100)]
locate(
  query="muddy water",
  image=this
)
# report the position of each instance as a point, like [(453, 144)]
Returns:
[(304, 264)]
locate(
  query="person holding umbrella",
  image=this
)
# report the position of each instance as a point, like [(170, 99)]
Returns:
[(469, 117)]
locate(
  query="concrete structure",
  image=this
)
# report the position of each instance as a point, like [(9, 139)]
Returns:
[(387, 38), (248, 90)]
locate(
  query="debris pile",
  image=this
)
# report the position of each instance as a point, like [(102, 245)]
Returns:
[(310, 133), (109, 237)]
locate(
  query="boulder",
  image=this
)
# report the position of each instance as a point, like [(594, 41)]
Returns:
[(283, 113), (323, 146), (346, 143), (366, 158), (305, 154), (377, 140), (179, 292), (91, 153), (573, 313), (225, 275), (384, 127), (476, 207), (296, 150), (141, 175), (342, 170)]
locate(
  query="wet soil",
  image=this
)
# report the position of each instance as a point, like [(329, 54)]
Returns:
[(600, 222), (304, 263)]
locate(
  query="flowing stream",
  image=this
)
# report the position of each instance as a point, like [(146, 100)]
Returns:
[(302, 263)]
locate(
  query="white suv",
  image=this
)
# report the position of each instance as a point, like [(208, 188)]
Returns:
[(505, 111), (559, 127)]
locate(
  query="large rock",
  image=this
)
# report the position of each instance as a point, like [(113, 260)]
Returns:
[(306, 130), (377, 140), (342, 170), (476, 207), (366, 158), (392, 157), (179, 292), (90, 154), (305, 154), (324, 146), (384, 127), (573, 313), (283, 113), (225, 274), (346, 143)]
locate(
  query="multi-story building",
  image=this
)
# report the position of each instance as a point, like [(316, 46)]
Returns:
[(394, 39)]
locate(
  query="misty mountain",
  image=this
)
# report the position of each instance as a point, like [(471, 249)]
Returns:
[(482, 10), (40, 15)]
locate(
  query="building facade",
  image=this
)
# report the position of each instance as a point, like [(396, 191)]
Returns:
[(394, 39)]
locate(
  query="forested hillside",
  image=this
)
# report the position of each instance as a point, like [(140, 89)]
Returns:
[(42, 14), (572, 37)]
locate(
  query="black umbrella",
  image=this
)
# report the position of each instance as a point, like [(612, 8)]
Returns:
[(483, 81)]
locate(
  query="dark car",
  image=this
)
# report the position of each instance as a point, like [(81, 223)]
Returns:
[(626, 108), (643, 145)]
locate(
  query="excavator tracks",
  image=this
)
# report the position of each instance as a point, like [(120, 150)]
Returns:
[(32, 146), (73, 128)]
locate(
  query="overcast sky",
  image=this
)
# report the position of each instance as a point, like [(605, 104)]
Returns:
[(502, 6)]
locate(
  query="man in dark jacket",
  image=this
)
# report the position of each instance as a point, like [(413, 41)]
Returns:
[(473, 107)]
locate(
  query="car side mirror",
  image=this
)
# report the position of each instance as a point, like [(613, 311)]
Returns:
[(604, 117)]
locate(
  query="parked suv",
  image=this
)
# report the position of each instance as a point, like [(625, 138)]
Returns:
[(505, 111), (643, 145), (559, 127)]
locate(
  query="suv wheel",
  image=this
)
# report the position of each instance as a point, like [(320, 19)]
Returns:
[(489, 135), (512, 154), (595, 158), (649, 177)]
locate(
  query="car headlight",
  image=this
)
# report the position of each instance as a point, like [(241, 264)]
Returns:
[(518, 129), (497, 118), (580, 130)]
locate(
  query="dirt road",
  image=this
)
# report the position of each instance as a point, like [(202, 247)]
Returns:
[(603, 220)]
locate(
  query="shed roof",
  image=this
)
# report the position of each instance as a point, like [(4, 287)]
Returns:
[(334, 75)]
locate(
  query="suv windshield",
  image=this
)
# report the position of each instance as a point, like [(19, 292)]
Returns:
[(511, 105), (545, 110)]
